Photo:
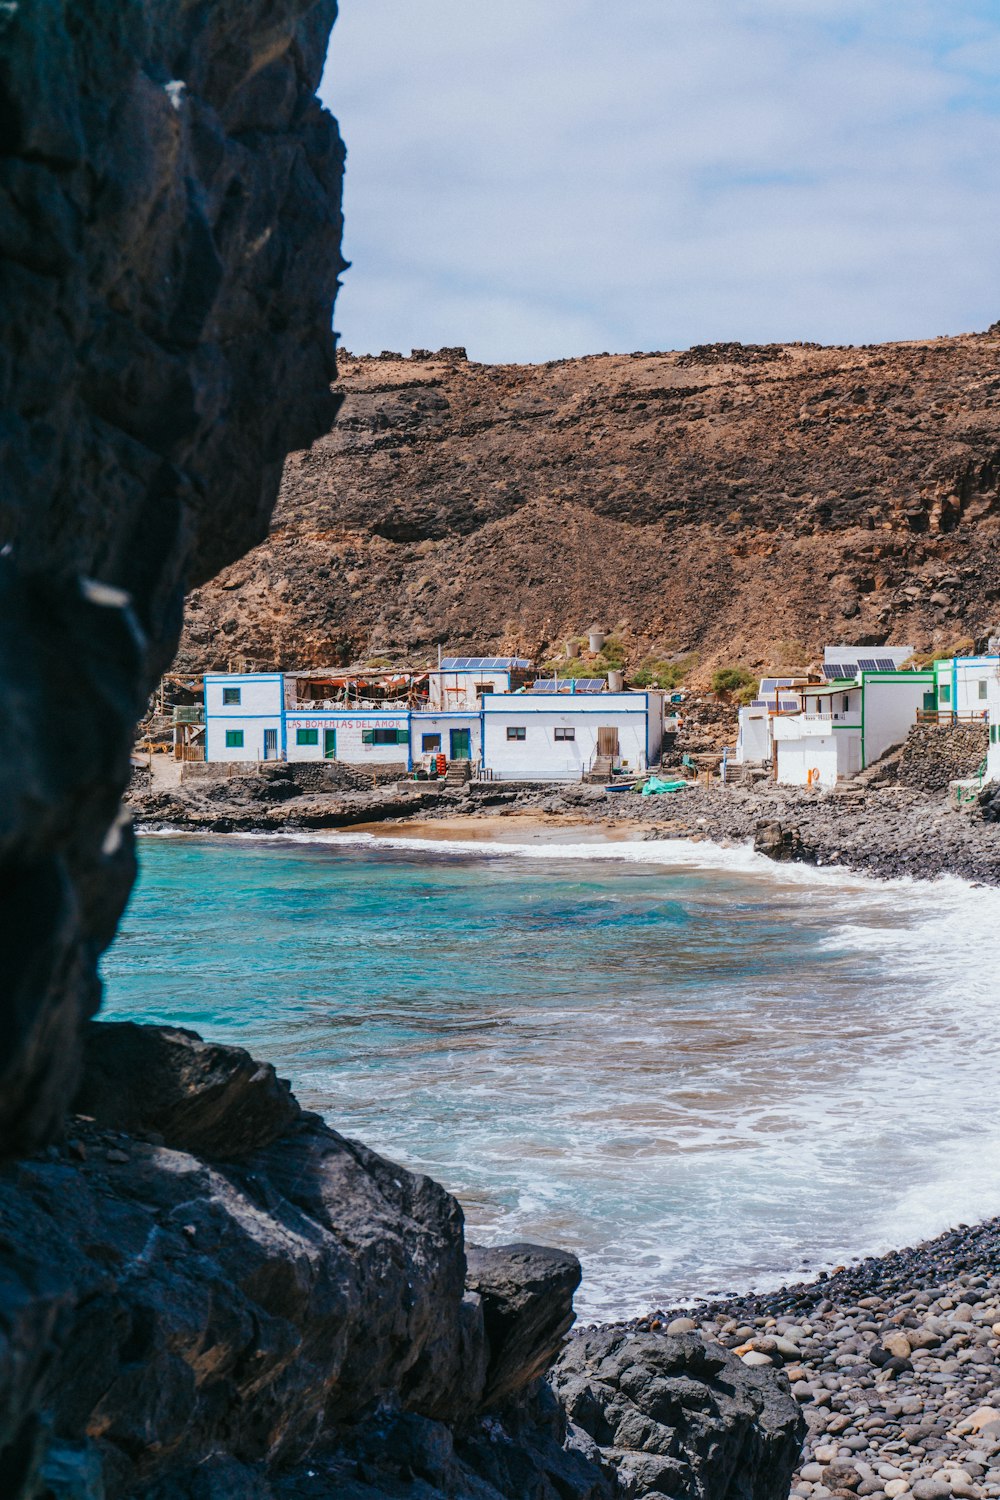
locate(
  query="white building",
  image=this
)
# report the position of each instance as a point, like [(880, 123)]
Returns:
[(244, 716), (993, 714), (557, 736), (754, 744), (962, 686), (460, 681), (847, 723), (531, 735)]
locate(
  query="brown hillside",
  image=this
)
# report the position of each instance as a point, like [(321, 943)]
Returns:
[(745, 503)]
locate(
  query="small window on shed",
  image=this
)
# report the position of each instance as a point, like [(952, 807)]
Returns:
[(847, 704), (231, 696), (484, 687), (430, 744), (517, 732), (564, 734), (234, 739), (982, 687), (307, 737), (944, 692)]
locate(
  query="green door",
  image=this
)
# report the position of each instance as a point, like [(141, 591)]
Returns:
[(329, 744), (460, 746)]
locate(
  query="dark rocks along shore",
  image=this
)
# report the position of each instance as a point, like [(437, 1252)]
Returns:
[(884, 831)]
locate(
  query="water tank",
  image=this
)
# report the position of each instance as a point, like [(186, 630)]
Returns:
[(597, 638), (572, 649), (616, 682)]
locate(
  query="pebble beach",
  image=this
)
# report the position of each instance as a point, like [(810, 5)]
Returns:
[(895, 1362)]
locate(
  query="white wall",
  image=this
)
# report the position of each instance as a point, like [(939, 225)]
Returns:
[(540, 756), (819, 753), (442, 724), (753, 739), (458, 690), (259, 709), (349, 728), (891, 705), (970, 679)]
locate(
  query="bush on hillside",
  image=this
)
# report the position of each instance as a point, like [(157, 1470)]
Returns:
[(730, 680)]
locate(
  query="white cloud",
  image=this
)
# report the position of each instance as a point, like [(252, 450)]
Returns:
[(549, 177)]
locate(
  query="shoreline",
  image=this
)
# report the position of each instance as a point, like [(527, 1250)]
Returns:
[(883, 832)]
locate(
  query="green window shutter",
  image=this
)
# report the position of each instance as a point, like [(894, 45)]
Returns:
[(307, 736), (367, 736), (234, 739), (402, 736)]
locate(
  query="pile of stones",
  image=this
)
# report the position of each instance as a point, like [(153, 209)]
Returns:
[(895, 1363)]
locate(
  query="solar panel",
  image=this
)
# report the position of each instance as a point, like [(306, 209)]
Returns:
[(868, 664), (832, 669), (482, 663), (543, 685), (789, 703), (884, 664), (589, 685)]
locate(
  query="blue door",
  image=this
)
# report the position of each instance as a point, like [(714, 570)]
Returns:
[(270, 744)]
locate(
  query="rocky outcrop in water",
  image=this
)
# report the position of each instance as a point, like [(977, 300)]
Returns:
[(169, 252)]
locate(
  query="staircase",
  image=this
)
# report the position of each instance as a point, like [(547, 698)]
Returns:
[(458, 773), (600, 770)]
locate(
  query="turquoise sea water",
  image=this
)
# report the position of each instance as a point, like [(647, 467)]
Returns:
[(698, 1070)]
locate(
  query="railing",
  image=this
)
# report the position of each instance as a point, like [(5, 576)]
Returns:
[(952, 716), (189, 713)]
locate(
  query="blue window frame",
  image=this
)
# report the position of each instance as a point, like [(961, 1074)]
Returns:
[(231, 696)]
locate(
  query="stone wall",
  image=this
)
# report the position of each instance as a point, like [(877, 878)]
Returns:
[(935, 754)]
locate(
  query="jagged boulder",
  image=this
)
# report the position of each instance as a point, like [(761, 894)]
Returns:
[(677, 1417), (527, 1298), (213, 1101)]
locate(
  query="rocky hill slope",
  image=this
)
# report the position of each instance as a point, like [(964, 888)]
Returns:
[(746, 503)]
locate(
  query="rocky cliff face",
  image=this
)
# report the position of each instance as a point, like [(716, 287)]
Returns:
[(169, 252), (746, 503)]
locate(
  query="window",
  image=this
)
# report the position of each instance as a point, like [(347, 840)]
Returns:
[(234, 739), (307, 736), (517, 732), (993, 734), (565, 734), (230, 696), (982, 688), (385, 736), (484, 687), (430, 744), (944, 692), (847, 704)]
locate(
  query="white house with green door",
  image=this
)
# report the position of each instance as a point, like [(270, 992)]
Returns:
[(846, 724)]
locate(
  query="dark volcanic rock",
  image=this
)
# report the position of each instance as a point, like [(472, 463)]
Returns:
[(169, 251), (214, 1101), (681, 1418), (527, 1295), (289, 1318)]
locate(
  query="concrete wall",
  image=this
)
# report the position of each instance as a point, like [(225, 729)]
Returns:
[(890, 710), (797, 758)]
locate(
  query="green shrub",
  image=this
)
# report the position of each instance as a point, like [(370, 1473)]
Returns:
[(666, 675), (729, 680)]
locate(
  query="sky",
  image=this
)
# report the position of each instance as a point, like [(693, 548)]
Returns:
[(538, 179)]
